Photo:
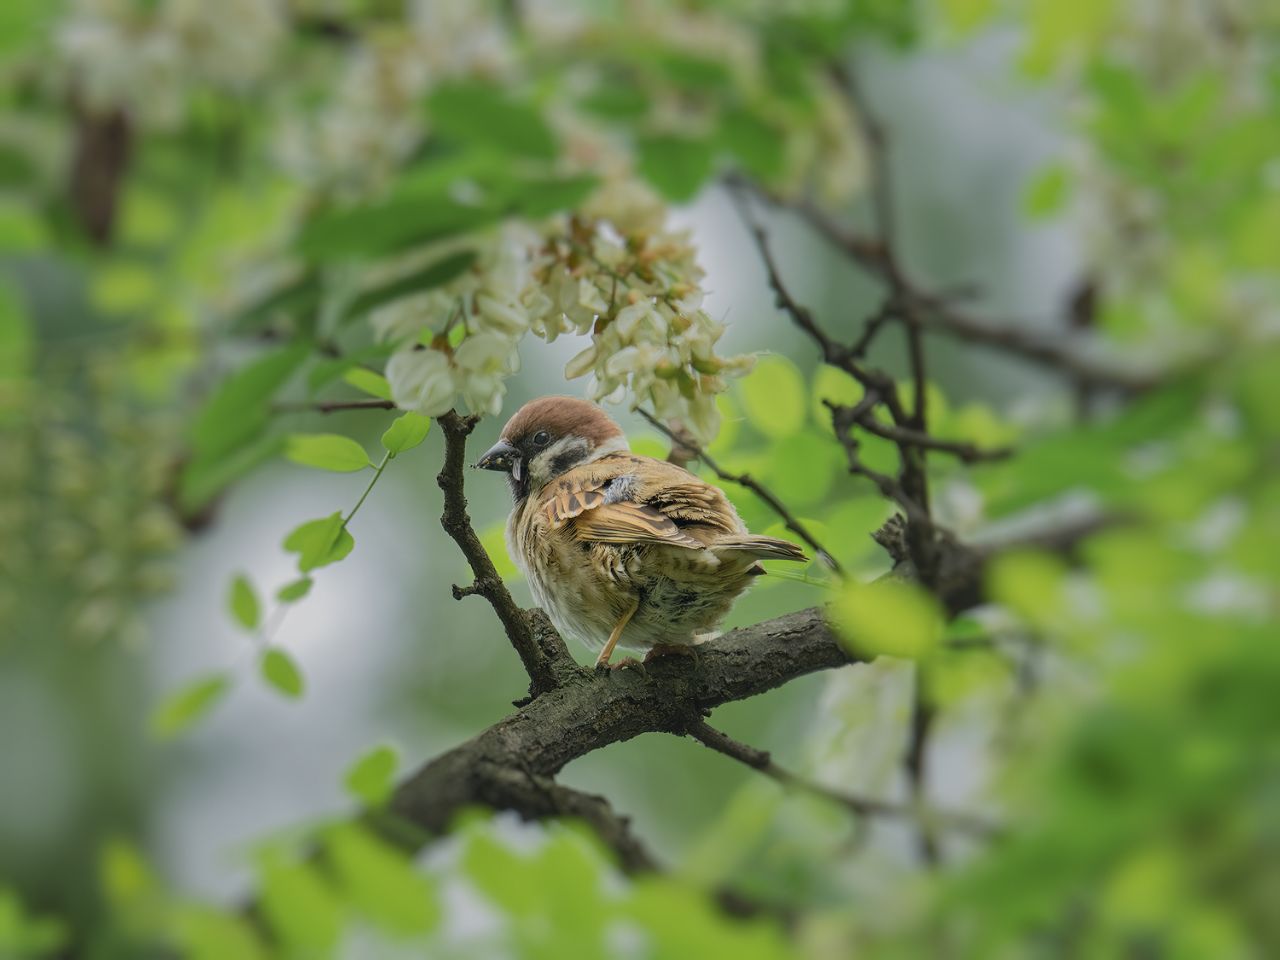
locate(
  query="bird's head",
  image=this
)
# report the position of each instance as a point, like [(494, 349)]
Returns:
[(548, 436)]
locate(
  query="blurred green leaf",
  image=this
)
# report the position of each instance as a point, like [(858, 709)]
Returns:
[(302, 911), (773, 395), (406, 432), (294, 591), (1047, 193), (677, 166), (202, 933), (237, 411), (617, 101), (435, 274), (16, 341), (188, 704), (280, 670), (479, 113), (326, 451), (374, 384), (391, 225), (371, 779), (381, 882), (319, 543), (759, 147), (243, 603), (25, 936), (889, 617)]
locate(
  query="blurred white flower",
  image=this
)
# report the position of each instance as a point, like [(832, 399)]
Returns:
[(421, 380)]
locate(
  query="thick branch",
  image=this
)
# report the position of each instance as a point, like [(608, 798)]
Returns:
[(595, 710), (541, 650)]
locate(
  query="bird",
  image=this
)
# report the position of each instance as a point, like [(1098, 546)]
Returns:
[(620, 549)]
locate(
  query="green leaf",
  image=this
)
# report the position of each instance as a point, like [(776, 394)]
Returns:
[(537, 197), (406, 432), (889, 617), (326, 451), (279, 670), (319, 543), (203, 933), (296, 299), (435, 274), (773, 395), (16, 341), (1047, 194), (302, 911), (472, 112), (616, 102), (372, 777), (243, 603), (381, 882), (188, 704), (295, 591), (757, 146), (205, 477), (676, 166), (372, 383), (391, 225), (237, 411)]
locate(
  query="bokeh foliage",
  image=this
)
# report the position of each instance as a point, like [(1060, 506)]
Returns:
[(201, 207)]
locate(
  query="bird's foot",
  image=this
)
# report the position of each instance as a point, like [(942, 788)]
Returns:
[(672, 650), (627, 663)]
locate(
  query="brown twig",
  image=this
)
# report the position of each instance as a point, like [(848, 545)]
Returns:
[(333, 406), (544, 657), (763, 762), (792, 523)]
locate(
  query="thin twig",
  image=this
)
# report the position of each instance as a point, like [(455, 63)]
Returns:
[(333, 406), (966, 452), (541, 667), (793, 523), (762, 761)]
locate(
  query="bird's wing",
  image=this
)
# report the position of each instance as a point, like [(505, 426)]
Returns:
[(628, 498)]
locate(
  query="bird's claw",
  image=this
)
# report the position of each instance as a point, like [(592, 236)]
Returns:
[(629, 663)]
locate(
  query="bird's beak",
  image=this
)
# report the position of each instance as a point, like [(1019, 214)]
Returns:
[(501, 456)]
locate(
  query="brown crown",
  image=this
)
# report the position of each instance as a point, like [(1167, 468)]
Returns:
[(561, 416)]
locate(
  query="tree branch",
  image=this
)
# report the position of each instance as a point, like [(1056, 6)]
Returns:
[(762, 761), (333, 406), (543, 653)]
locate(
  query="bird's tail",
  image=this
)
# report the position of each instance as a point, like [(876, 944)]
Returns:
[(764, 548)]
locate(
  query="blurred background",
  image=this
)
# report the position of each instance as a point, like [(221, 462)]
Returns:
[(158, 160)]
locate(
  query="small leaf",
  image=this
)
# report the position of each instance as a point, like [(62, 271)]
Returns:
[(243, 602), (182, 708), (889, 617), (406, 432), (774, 397), (677, 166), (301, 909), (279, 670), (326, 451), (381, 882), (295, 591), (1047, 193), (374, 384), (371, 778), (319, 543)]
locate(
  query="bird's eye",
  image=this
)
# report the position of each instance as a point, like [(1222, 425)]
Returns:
[(541, 438)]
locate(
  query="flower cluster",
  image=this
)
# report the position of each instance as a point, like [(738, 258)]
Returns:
[(147, 58), (610, 272)]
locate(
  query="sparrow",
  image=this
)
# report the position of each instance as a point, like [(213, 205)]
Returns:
[(620, 549)]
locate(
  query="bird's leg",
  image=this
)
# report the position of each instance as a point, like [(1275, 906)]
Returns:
[(607, 652)]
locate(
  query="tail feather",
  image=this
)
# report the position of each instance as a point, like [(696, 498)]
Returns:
[(766, 548)]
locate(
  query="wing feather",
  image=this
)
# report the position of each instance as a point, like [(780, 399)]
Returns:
[(632, 523)]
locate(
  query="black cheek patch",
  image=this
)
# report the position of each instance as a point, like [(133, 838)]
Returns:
[(565, 461)]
